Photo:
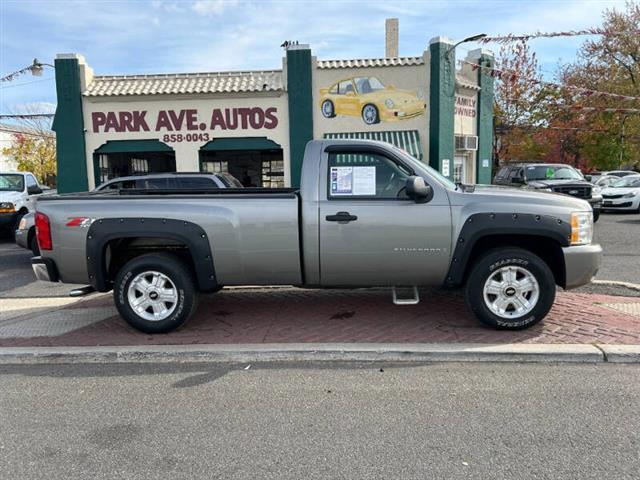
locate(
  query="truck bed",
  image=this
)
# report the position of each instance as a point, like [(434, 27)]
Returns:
[(253, 233)]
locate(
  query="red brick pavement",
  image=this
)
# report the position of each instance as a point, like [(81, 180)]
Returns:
[(364, 316)]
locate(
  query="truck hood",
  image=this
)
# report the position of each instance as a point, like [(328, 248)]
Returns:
[(619, 190), (552, 183), (503, 195), (10, 196)]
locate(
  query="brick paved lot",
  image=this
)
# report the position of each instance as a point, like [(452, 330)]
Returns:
[(289, 315)]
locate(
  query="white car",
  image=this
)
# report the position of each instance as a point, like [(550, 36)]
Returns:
[(18, 194), (623, 195)]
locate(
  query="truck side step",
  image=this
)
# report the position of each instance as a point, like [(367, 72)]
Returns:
[(408, 300), (79, 292)]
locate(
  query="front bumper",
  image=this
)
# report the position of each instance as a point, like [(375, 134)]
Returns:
[(596, 203), (621, 203), (8, 218), (581, 263), (22, 238), (45, 269)]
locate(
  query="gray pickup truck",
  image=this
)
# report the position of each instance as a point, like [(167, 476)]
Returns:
[(366, 215)]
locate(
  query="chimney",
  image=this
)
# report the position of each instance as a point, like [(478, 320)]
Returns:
[(391, 32)]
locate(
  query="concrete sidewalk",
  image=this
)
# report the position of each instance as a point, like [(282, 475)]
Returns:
[(297, 316)]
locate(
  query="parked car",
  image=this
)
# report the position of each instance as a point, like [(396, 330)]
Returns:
[(25, 234), (366, 214), (369, 98), (18, 193), (605, 181), (623, 195), (621, 173), (171, 180), (551, 177)]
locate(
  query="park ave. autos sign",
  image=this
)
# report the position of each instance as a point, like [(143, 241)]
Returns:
[(186, 120)]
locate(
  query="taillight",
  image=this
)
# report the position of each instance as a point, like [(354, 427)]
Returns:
[(43, 231)]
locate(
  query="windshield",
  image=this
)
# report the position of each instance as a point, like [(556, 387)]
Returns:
[(368, 84), (551, 172), (432, 171), (11, 182), (627, 182)]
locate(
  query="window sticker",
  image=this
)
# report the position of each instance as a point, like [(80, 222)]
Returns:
[(341, 180), (358, 181), (364, 180)]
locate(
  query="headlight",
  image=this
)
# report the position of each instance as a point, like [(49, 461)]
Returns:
[(546, 189), (22, 224), (630, 195), (7, 207), (581, 228), (389, 103), (596, 190)]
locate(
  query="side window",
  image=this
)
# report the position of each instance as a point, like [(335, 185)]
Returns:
[(195, 182), (31, 181), (515, 172), (153, 183), (345, 87), (113, 186), (365, 175)]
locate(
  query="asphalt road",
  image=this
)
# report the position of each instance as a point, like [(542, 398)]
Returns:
[(619, 235), (353, 421)]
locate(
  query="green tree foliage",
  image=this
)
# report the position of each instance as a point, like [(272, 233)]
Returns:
[(538, 122), (36, 153)]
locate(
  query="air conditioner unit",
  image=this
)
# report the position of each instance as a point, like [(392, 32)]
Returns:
[(466, 142)]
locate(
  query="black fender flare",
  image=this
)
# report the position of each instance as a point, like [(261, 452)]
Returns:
[(481, 225), (105, 230)]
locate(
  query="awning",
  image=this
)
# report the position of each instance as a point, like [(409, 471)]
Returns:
[(407, 140), (240, 143), (133, 146)]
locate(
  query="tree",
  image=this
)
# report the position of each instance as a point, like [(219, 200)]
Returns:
[(34, 145), (610, 63), (519, 105), (34, 153)]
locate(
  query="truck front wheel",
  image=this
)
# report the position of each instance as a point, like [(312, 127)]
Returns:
[(510, 289), (155, 293)]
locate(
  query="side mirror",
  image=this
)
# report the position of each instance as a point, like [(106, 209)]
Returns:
[(588, 178), (34, 190), (418, 189)]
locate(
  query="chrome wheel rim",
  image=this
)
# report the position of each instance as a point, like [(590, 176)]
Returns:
[(152, 296), (511, 292), (369, 113), (327, 108)]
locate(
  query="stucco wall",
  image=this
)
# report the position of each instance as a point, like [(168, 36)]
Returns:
[(187, 151), (412, 80)]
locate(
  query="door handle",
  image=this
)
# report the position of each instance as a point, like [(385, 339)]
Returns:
[(342, 217)]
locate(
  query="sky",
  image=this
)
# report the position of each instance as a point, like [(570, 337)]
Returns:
[(160, 36)]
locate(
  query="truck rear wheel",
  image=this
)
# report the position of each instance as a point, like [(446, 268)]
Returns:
[(155, 293), (510, 289)]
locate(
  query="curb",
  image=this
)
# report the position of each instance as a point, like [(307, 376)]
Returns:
[(617, 283), (462, 352), (621, 353)]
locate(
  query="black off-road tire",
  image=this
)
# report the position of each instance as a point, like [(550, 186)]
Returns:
[(176, 271), (596, 215), (487, 265)]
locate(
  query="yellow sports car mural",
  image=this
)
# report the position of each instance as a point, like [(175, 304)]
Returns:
[(367, 97)]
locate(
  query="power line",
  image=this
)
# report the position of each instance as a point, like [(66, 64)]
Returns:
[(28, 83)]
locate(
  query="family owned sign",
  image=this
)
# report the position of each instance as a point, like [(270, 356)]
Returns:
[(243, 118)]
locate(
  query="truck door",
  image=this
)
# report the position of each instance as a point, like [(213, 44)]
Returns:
[(371, 232)]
